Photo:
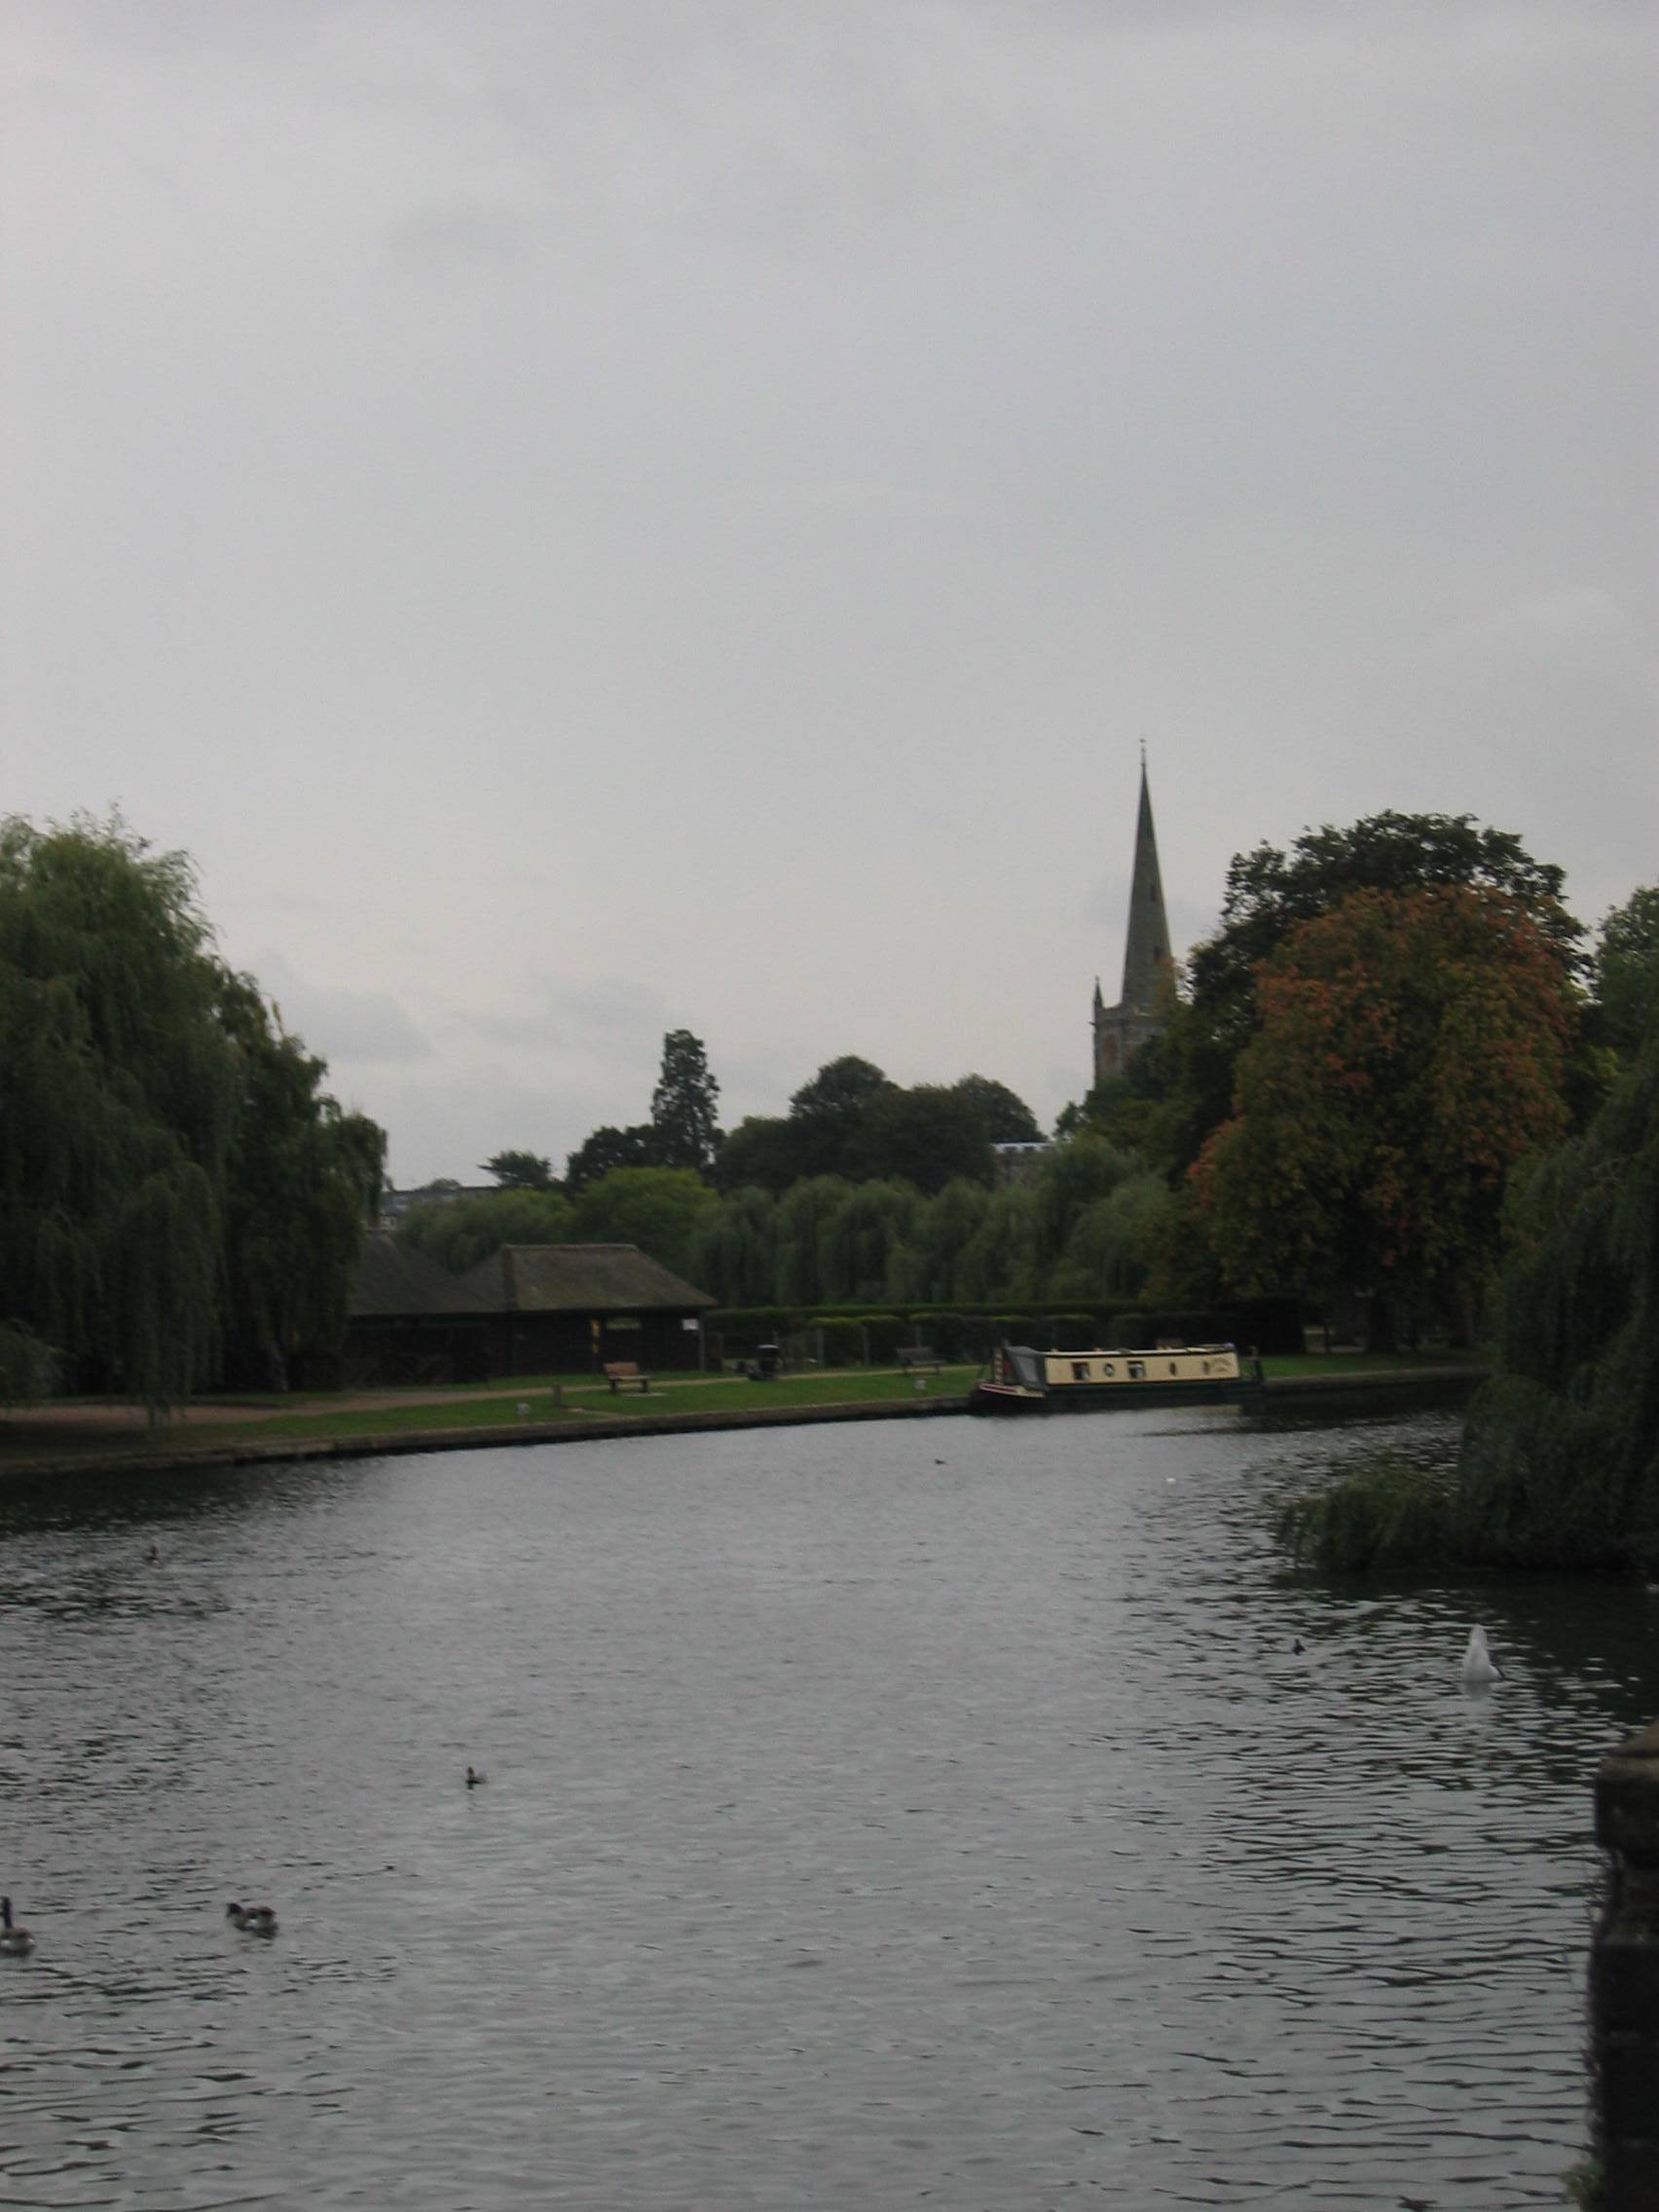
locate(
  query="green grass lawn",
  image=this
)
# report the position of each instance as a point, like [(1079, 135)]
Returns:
[(496, 1405), (273, 1419)]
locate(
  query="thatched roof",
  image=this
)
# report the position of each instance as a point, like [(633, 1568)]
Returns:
[(395, 1279), (579, 1278)]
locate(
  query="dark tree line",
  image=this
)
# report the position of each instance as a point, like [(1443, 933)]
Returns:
[(180, 1201), (849, 1120)]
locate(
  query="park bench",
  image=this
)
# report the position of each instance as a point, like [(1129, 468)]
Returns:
[(620, 1370), (914, 1356)]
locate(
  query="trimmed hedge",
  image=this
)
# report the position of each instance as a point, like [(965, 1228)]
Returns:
[(963, 1333)]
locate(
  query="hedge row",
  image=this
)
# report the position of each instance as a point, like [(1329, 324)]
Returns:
[(849, 1336)]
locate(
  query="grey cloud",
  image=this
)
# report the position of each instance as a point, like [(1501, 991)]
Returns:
[(355, 1028), (587, 519)]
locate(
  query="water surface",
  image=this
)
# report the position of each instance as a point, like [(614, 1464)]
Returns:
[(903, 1814)]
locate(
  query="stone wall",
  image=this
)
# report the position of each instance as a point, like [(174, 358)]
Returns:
[(1624, 1975)]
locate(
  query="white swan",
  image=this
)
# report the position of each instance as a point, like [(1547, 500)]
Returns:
[(1479, 1671)]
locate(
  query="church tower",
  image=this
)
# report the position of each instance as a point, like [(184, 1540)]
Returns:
[(1121, 1030)]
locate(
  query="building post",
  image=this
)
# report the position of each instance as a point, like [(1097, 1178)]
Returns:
[(1624, 1976)]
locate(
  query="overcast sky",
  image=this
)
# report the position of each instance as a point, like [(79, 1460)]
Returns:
[(588, 517)]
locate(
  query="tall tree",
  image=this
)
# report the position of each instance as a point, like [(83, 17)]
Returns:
[(1561, 1452), (1003, 1113), (520, 1170), (1626, 972), (174, 1185), (925, 1136), (608, 1148), (1412, 1050), (1270, 893), (765, 1151), (828, 1113), (118, 1107), (683, 1105), (304, 1178)]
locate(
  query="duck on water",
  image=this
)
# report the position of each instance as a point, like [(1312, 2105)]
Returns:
[(16, 1942), (251, 1919)]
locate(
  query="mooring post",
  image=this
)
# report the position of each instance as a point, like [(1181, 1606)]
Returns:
[(1624, 1976)]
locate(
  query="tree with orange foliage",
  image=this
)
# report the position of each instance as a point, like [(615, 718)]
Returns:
[(1412, 1047)]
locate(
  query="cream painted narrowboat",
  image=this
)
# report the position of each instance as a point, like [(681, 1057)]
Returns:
[(1021, 1379)]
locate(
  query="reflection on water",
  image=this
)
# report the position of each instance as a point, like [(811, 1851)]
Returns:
[(913, 1813)]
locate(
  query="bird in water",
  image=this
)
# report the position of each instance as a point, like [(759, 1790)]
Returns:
[(1479, 1669), (251, 1919), (475, 1780), (1298, 1646), (14, 1943)]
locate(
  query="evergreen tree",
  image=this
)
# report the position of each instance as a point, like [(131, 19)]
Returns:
[(683, 1105)]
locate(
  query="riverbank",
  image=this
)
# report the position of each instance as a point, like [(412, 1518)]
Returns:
[(105, 1437)]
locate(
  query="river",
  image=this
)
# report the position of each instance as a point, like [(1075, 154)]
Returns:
[(906, 1814)]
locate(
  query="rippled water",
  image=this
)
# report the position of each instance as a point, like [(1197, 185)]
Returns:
[(915, 1813)]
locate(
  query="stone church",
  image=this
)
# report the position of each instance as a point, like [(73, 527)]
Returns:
[(1121, 1030)]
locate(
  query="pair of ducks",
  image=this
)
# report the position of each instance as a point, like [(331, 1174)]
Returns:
[(17, 1941), (252, 1919)]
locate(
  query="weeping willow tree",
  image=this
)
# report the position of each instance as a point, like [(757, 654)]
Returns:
[(1561, 1452), (302, 1178), (117, 1107), (135, 1133)]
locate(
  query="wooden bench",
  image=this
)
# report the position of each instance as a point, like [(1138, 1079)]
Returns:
[(914, 1356), (620, 1370)]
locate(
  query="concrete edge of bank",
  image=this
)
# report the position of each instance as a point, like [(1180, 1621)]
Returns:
[(1424, 1386)]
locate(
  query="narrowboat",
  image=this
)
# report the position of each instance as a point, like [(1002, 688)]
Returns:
[(1021, 1379)]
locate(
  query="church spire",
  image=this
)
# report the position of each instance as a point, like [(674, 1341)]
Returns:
[(1121, 1030), (1146, 950)]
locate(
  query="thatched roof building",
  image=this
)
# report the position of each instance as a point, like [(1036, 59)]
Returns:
[(527, 1310), (561, 1308), (585, 1279)]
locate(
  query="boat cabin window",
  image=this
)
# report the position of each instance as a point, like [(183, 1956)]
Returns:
[(1080, 1371), (1137, 1370), (1106, 1367)]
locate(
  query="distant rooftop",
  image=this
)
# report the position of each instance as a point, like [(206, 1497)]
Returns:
[(580, 1278)]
